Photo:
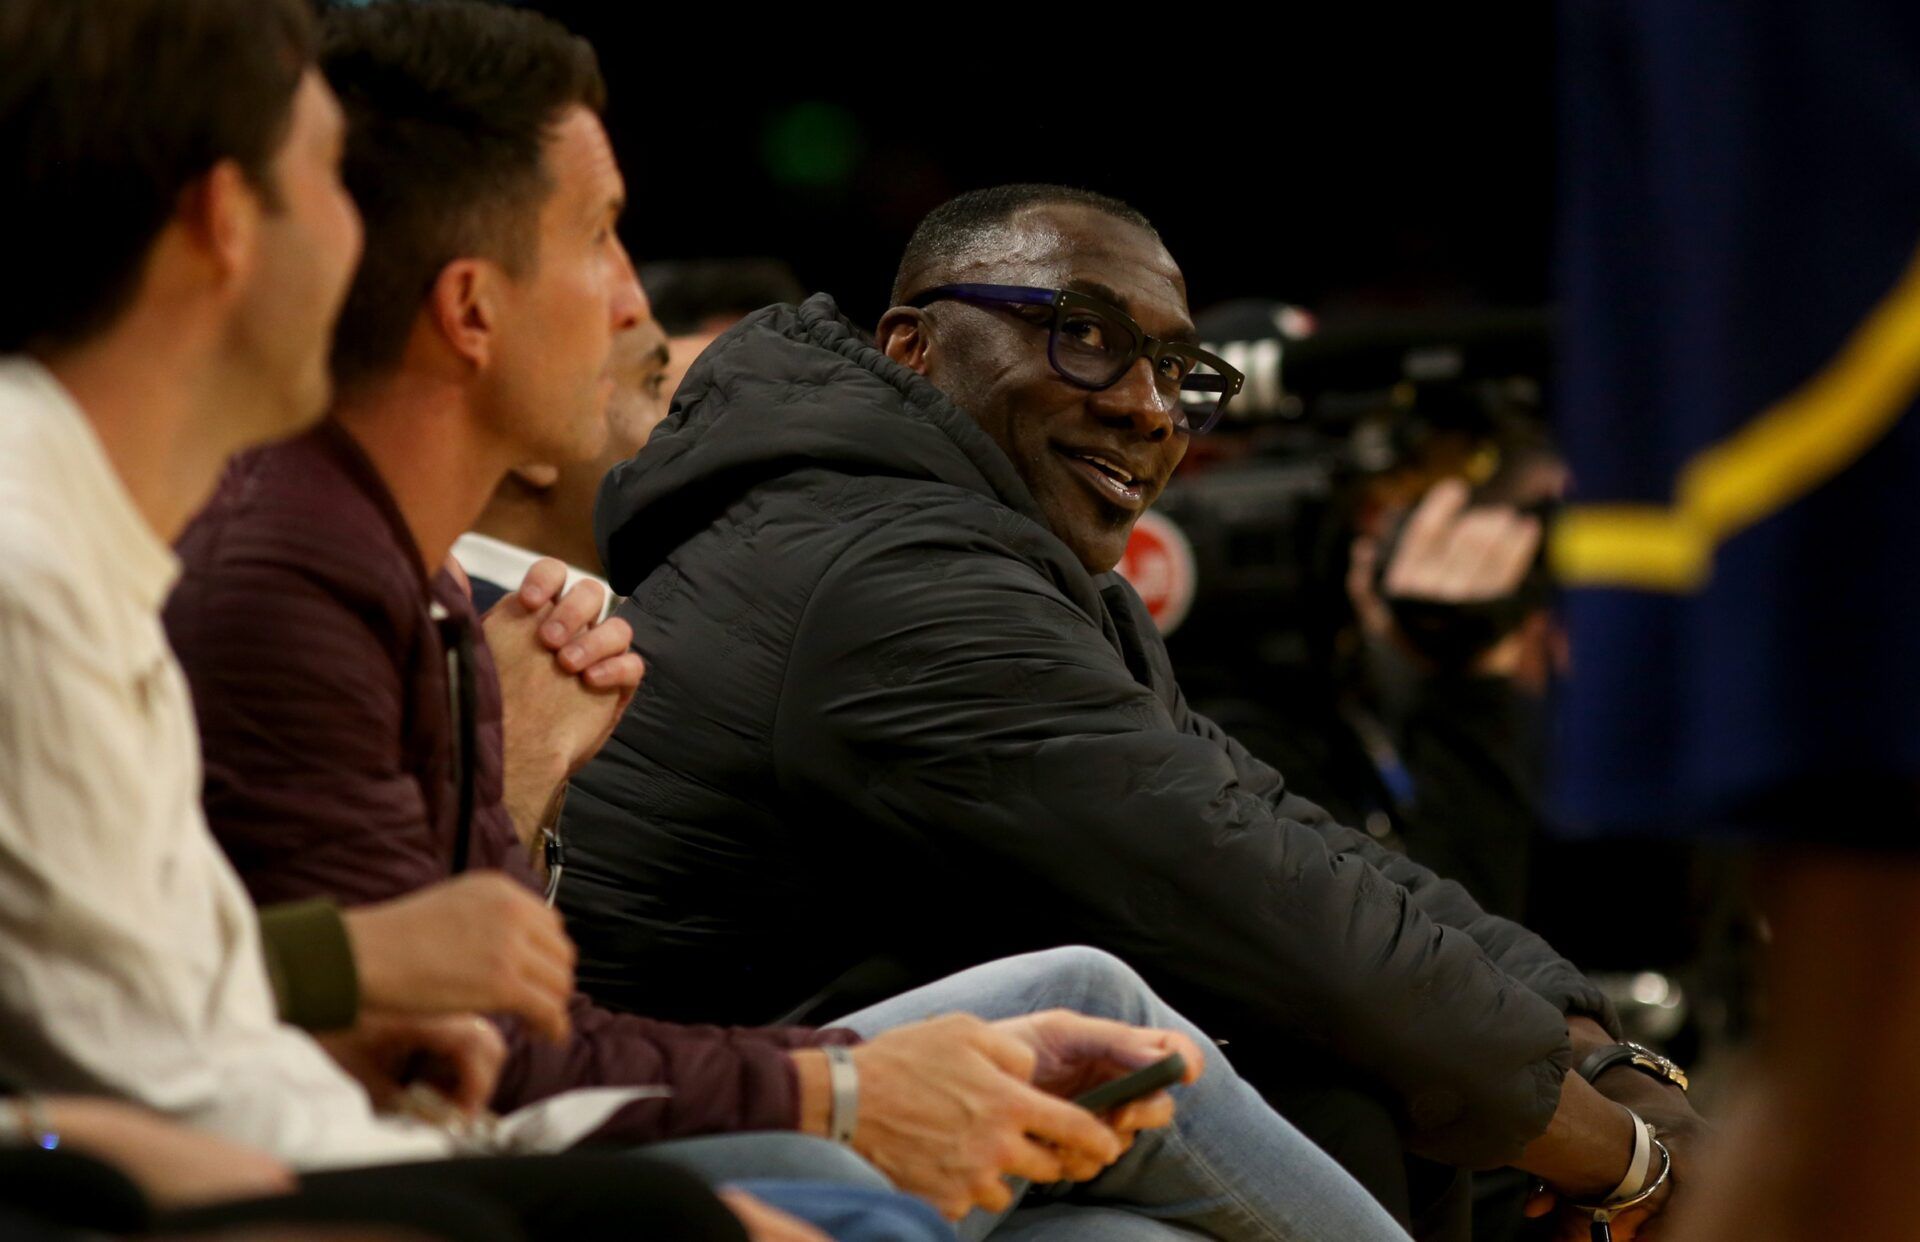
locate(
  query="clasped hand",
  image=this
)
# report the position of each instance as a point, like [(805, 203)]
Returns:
[(565, 678), (1680, 1129)]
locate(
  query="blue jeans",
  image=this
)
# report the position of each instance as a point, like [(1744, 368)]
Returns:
[(1228, 1168), (854, 1213), (818, 1181)]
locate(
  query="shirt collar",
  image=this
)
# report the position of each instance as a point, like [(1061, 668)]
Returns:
[(336, 440), (506, 564), (98, 497)]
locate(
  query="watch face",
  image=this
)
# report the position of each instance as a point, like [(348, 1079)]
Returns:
[(1651, 1061)]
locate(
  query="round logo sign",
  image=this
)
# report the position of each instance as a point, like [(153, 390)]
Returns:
[(1159, 564)]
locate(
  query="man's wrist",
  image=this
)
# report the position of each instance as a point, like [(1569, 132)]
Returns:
[(27, 1121), (814, 1091), (530, 787), (1587, 1037), (1607, 1158), (371, 958), (1588, 1144)]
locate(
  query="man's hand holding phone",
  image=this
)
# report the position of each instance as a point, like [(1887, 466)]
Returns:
[(1077, 1055), (952, 1107)]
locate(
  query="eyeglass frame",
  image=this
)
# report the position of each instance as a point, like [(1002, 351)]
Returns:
[(1146, 346)]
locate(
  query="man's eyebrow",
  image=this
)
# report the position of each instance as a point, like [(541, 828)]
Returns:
[(1098, 290)]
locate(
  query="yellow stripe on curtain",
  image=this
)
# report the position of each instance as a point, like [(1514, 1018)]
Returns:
[(1791, 448)]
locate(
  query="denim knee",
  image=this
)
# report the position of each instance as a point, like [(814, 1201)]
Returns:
[(1096, 982)]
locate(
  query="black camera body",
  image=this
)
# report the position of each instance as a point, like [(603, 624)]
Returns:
[(1270, 510)]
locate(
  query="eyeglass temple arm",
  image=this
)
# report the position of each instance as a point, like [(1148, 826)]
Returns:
[(1017, 295)]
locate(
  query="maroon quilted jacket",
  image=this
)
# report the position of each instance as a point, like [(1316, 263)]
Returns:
[(319, 678)]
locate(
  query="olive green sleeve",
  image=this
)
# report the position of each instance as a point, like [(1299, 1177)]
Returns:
[(310, 964)]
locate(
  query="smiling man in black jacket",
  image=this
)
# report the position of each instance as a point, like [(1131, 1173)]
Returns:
[(899, 705)]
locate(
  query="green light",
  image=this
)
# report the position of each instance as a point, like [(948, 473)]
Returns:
[(811, 144)]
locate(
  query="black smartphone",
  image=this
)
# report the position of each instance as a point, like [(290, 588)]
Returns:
[(1111, 1095)]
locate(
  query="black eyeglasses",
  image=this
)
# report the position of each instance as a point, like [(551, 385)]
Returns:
[(1091, 344)]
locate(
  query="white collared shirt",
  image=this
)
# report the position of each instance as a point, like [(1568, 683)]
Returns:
[(505, 565), (130, 959)]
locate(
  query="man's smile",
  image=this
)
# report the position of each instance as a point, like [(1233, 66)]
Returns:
[(1109, 476)]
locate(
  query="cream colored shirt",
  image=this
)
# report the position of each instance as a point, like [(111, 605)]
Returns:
[(130, 959)]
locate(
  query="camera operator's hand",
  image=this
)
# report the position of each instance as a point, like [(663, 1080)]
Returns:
[(1450, 554)]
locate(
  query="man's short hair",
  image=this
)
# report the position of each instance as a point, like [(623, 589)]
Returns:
[(449, 104), (957, 227), (686, 294), (108, 111)]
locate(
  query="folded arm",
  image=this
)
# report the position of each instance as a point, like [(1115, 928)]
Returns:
[(948, 694)]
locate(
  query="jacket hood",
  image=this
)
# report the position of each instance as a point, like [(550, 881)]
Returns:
[(787, 388)]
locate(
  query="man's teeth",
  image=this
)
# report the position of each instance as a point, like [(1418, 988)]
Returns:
[(1109, 468)]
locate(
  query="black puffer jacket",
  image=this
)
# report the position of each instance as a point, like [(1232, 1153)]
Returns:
[(887, 711)]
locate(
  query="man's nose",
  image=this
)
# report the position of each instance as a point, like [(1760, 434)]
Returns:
[(1135, 399), (630, 305)]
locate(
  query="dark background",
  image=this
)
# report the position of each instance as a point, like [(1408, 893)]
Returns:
[(1377, 160)]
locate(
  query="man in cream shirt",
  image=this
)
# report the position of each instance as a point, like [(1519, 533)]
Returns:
[(195, 323), (119, 912), (130, 958)]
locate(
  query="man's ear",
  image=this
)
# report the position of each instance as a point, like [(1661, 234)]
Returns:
[(220, 214), (903, 337), (537, 475), (464, 304)]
